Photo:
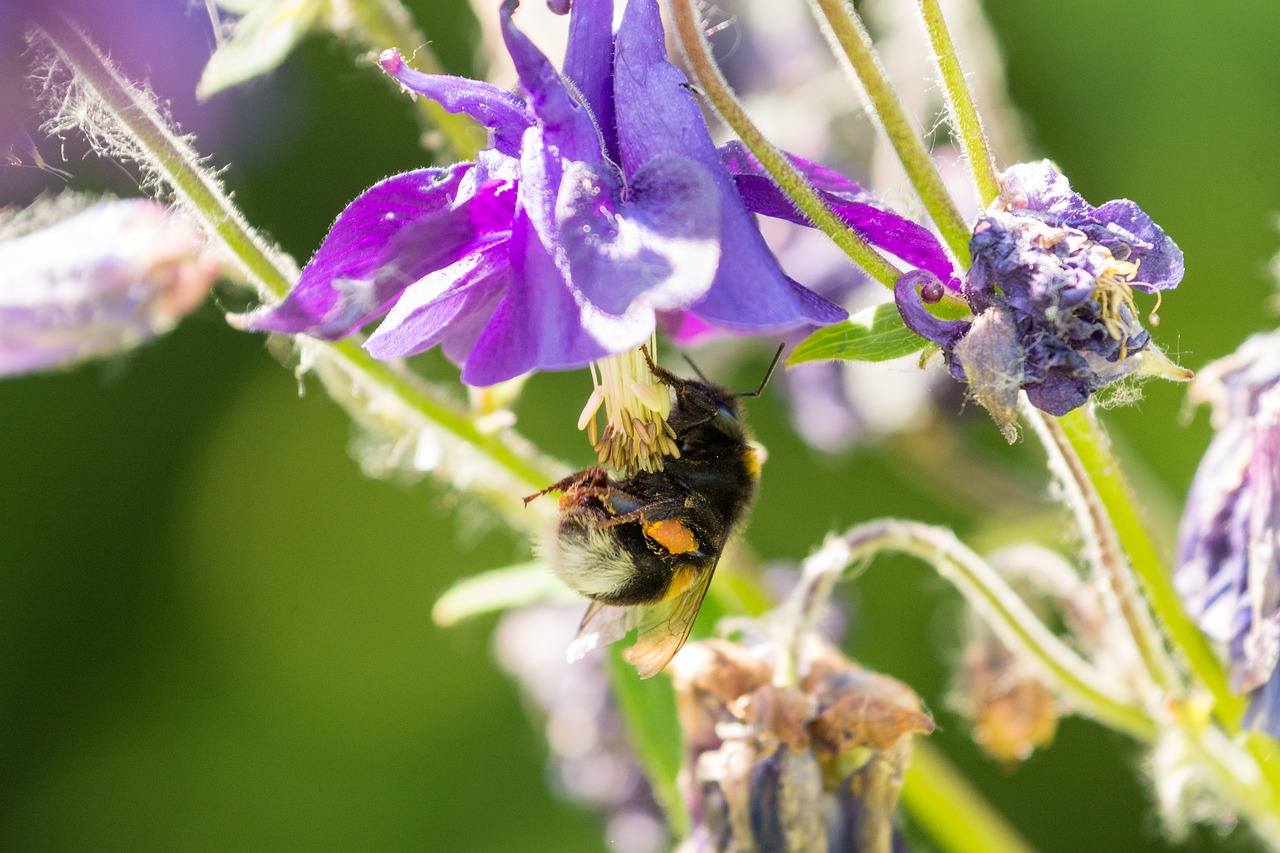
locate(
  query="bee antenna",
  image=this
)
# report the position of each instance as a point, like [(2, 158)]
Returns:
[(701, 375), (767, 374)]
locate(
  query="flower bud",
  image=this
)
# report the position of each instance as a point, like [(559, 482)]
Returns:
[(102, 281)]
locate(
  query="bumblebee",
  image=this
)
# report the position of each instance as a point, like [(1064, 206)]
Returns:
[(644, 548)]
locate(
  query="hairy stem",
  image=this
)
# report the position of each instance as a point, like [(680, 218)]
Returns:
[(989, 596), (1079, 437), (697, 50), (143, 135), (850, 40), (1102, 547), (964, 116)]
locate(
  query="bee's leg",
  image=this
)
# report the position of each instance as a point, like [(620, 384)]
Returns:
[(653, 511), (666, 377), (595, 479)]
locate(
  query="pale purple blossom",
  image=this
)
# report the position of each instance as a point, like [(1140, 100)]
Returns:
[(110, 277), (1229, 542)]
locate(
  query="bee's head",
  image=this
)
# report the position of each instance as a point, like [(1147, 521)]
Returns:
[(706, 413)]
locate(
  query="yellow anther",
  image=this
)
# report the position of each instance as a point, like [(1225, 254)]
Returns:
[(636, 436)]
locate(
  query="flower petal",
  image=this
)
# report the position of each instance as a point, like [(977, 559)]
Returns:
[(588, 63), (567, 125), (663, 246), (1040, 188), (396, 232), (495, 108), (542, 324), (660, 117), (1160, 262), (453, 303), (906, 295), (1120, 225), (857, 208)]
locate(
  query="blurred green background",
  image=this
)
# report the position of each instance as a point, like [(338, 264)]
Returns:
[(215, 632)]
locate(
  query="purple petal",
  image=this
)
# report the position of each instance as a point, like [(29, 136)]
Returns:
[(588, 63), (542, 324), (739, 160), (495, 108), (894, 234), (1040, 188), (906, 294), (685, 329), (1059, 392), (1160, 263), (396, 232), (567, 125), (450, 304), (661, 245), (1119, 225), (658, 116), (664, 245)]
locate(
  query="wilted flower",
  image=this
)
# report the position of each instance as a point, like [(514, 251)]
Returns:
[(600, 200), (1228, 562), (1014, 712), (812, 767), (104, 280), (1052, 287)]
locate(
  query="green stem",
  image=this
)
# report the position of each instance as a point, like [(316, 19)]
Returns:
[(697, 50), (519, 461), (1103, 549), (1083, 440), (989, 596), (384, 24), (849, 38), (964, 116), (159, 150), (948, 808), (145, 136)]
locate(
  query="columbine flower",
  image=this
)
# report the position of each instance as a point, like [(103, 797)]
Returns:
[(97, 283), (1052, 289), (1228, 562), (600, 200)]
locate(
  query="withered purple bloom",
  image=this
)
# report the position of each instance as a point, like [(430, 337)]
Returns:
[(600, 200), (1229, 542), (1051, 288)]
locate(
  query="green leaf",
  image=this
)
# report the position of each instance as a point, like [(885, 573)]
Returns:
[(260, 42), (648, 711), (500, 589), (873, 334), (949, 808)]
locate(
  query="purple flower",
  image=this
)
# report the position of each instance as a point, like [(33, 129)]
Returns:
[(97, 283), (1229, 542), (1052, 287), (599, 201)]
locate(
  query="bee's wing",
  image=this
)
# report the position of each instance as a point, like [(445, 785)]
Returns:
[(601, 625), (667, 627)]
